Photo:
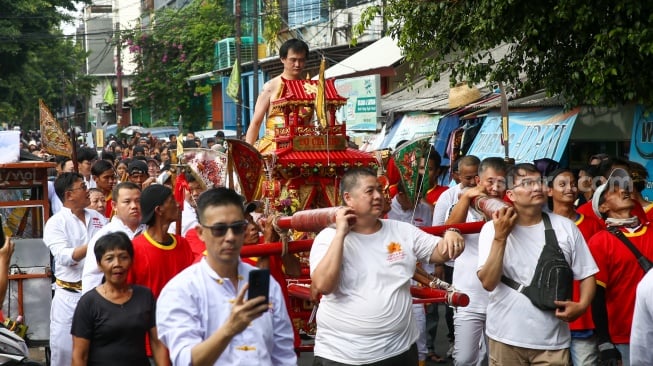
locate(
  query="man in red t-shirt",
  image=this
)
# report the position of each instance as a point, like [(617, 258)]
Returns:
[(158, 255), (563, 191), (620, 272)]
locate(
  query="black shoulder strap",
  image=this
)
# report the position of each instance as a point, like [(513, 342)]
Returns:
[(550, 239), (549, 235), (643, 261)]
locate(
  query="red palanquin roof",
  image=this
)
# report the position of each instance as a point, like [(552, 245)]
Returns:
[(324, 157), (303, 91)]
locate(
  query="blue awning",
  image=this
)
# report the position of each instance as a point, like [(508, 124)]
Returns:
[(533, 135), (411, 126)]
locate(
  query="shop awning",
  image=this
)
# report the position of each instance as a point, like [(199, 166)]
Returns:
[(377, 58), (411, 126), (533, 135)]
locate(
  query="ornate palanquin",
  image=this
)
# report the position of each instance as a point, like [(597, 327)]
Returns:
[(309, 158)]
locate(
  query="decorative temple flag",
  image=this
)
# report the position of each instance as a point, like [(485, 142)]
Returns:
[(320, 96), (53, 139), (233, 88), (109, 98)]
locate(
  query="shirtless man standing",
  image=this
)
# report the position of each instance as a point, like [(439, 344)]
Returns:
[(293, 54)]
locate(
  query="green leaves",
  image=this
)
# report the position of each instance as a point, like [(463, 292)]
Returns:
[(179, 44), (37, 60), (591, 52)]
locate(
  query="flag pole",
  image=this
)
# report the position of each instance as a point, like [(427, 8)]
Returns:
[(73, 155)]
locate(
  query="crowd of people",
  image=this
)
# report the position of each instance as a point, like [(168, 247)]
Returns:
[(138, 282)]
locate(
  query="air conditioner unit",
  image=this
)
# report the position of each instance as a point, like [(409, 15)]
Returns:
[(225, 51)]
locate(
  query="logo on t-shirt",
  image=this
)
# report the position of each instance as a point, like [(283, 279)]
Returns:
[(395, 253), (96, 223)]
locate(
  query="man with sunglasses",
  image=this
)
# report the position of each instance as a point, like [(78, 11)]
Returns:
[(520, 333), (66, 234), (202, 314)]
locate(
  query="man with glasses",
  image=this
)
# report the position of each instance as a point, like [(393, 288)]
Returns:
[(127, 219), (520, 333), (66, 234), (202, 314)]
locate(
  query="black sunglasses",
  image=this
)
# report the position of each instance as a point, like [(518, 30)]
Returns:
[(219, 230)]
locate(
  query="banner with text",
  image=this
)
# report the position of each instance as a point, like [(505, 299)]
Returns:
[(363, 102), (533, 135), (641, 146)]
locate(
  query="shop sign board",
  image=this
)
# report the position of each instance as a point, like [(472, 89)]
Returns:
[(363, 102), (641, 145), (533, 135)]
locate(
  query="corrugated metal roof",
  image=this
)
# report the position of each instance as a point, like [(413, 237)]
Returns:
[(537, 100), (421, 97)]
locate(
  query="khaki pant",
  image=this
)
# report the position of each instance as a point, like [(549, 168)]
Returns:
[(502, 354)]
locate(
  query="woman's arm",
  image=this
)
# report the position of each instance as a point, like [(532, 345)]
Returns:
[(159, 351), (80, 351)]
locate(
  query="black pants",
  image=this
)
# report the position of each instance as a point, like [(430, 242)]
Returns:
[(408, 358)]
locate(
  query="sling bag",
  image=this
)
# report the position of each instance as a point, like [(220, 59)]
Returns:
[(643, 261), (553, 277)]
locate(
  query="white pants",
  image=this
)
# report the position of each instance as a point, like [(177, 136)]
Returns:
[(61, 319), (420, 319), (584, 352), (470, 346)]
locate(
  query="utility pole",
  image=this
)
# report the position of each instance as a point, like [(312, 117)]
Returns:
[(255, 52), (239, 106), (118, 76), (64, 108)]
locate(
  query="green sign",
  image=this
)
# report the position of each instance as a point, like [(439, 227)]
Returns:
[(363, 108), (365, 105)]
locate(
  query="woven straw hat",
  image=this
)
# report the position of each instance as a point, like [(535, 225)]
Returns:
[(462, 94)]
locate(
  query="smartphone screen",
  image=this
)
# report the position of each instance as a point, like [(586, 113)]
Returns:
[(259, 284), (2, 232)]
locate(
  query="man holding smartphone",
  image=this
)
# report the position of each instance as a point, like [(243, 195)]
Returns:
[(204, 315)]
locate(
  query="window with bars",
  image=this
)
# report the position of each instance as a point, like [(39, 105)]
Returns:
[(305, 12), (344, 4)]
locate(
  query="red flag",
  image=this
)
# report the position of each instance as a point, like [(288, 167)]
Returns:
[(181, 186)]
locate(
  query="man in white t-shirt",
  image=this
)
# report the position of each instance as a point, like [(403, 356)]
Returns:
[(641, 333), (470, 347), (467, 167), (363, 268), (418, 213), (510, 245)]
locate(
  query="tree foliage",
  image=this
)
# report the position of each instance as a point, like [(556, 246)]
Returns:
[(180, 43), (37, 60), (597, 52)]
